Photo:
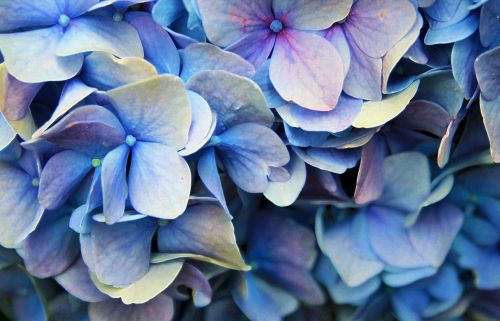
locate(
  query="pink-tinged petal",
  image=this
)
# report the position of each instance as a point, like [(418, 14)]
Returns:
[(255, 46), (337, 37), (226, 21), (18, 96), (377, 25), (311, 15), (364, 79), (310, 78), (370, 182)]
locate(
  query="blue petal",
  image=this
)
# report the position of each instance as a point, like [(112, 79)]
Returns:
[(92, 33), (20, 211), (452, 33), (401, 277), (489, 29), (261, 77), (25, 13), (30, 56), (165, 12), (60, 176), (487, 68), (76, 280), (203, 56), (154, 110), (159, 48), (209, 175), (121, 252), (18, 97), (50, 249), (329, 159), (159, 181), (463, 55), (114, 184), (370, 182)]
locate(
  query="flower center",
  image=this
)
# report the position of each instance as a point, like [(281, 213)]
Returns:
[(96, 162), (118, 16), (276, 26), (35, 182), (64, 20), (215, 140), (130, 140)]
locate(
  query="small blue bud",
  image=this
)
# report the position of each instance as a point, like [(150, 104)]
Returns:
[(215, 140), (96, 162), (35, 182), (130, 140), (276, 26), (118, 16), (64, 20)]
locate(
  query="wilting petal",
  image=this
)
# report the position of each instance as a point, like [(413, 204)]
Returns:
[(262, 301), (370, 182), (406, 181), (283, 252), (489, 29), (160, 308), (159, 277), (159, 181), (285, 193), (51, 248), (209, 175), (377, 113), (30, 56), (227, 21), (255, 46), (76, 280), (463, 55), (311, 15), (93, 33), (203, 124), (159, 47), (92, 130), (203, 232), (310, 78), (435, 230), (257, 140), (332, 121), (233, 98), (104, 71), (347, 245), (329, 159), (192, 278), (114, 183), (154, 110), (487, 68), (20, 211), (377, 25), (120, 252), (60, 176), (203, 56), (74, 91)]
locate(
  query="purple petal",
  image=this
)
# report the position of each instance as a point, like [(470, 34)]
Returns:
[(370, 183), (30, 56), (192, 278), (423, 115), (154, 110), (160, 308), (114, 183), (377, 25), (337, 37), (159, 181), (329, 159), (121, 252), (76, 280), (310, 78), (487, 68), (311, 15), (92, 130), (255, 46), (92, 33), (227, 21), (203, 56), (209, 175), (159, 48), (60, 176), (18, 97), (51, 249)]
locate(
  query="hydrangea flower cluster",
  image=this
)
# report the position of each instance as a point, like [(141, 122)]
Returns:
[(262, 160)]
